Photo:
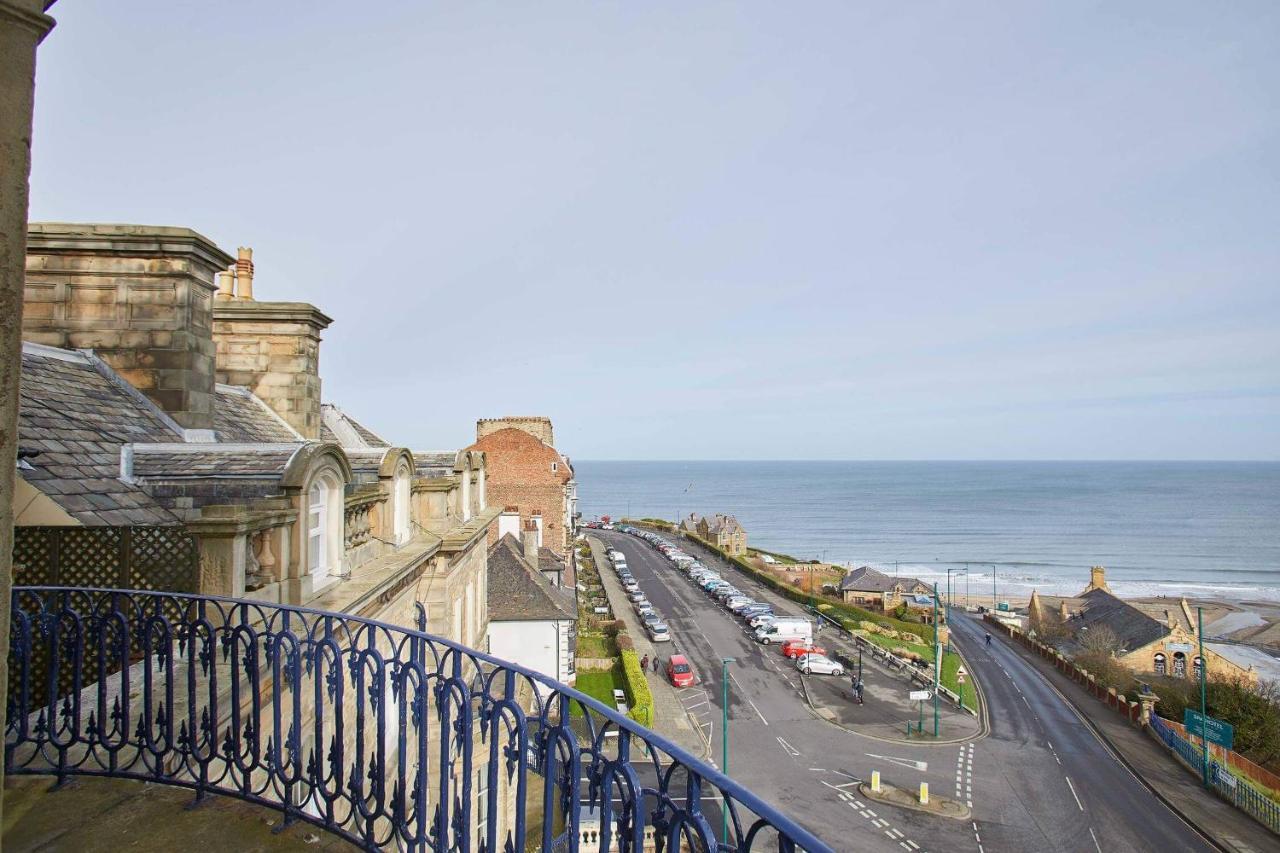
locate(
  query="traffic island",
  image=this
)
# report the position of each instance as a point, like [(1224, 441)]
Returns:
[(937, 805)]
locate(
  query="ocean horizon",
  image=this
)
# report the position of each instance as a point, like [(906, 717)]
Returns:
[(1207, 529)]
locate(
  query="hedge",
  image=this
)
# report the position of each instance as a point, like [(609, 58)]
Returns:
[(637, 687)]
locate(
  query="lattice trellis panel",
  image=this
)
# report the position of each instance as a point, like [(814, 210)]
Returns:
[(148, 558), (90, 556), (33, 555), (163, 558)]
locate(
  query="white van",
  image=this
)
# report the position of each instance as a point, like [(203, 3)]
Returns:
[(785, 628)]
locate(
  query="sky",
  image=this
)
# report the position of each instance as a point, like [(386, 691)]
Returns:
[(721, 231)]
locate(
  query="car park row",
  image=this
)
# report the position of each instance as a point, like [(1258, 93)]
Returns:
[(766, 627)]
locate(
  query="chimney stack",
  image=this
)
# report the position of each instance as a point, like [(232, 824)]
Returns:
[(244, 274), (529, 538), (226, 284)]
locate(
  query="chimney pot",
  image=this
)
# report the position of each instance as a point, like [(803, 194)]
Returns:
[(244, 274), (529, 539)]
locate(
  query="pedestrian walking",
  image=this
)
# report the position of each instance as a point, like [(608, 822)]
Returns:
[(988, 639), (655, 663), (857, 690), (644, 664)]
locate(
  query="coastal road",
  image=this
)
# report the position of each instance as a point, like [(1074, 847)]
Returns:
[(1060, 782), (1040, 780)]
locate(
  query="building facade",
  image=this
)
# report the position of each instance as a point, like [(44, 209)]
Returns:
[(720, 530), (1150, 638), (874, 590), (532, 621), (530, 479)]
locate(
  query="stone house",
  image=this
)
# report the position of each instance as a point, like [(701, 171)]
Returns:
[(724, 532), (531, 480), (171, 436), (1155, 638), (532, 621), (874, 590)]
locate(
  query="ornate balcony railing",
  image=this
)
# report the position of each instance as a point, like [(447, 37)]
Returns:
[(387, 736)]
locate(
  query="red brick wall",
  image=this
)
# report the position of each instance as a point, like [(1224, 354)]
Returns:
[(520, 475)]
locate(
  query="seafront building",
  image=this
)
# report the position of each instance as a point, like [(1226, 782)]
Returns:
[(1156, 639), (875, 590), (720, 530)]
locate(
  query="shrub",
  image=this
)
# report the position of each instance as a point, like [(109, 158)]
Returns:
[(637, 686), (625, 643)]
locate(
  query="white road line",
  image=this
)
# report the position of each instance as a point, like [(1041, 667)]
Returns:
[(758, 714), (1073, 792), (1095, 840), (791, 750), (913, 845)]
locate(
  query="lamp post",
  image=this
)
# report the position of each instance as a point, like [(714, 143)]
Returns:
[(1204, 739), (993, 588), (937, 660), (724, 745)]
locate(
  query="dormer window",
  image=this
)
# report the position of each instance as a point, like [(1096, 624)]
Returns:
[(324, 517)]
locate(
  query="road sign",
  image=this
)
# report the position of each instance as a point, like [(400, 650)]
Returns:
[(960, 678), (1185, 648), (1215, 731), (962, 671), (919, 695)]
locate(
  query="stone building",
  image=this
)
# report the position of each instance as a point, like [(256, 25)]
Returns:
[(874, 590), (171, 436), (723, 531), (531, 479), (1156, 638)]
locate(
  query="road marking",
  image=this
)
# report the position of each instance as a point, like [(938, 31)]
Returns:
[(909, 763), (758, 714), (1095, 840), (880, 822), (913, 845), (1073, 792), (788, 747)]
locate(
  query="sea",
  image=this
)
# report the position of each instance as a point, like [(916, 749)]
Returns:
[(1200, 529)]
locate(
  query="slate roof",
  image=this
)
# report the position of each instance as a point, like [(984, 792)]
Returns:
[(434, 463), (75, 411), (197, 461), (338, 426), (518, 592), (867, 579), (239, 416), (1132, 627)]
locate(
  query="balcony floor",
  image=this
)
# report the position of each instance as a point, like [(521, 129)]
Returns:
[(92, 814)]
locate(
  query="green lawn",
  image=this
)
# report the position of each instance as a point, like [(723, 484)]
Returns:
[(598, 685), (950, 665), (596, 646)]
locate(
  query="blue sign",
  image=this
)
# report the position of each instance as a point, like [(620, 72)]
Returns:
[(1215, 731)]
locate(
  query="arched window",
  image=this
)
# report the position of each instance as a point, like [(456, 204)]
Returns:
[(1196, 664), (1160, 667), (1179, 665), (324, 528), (401, 499)]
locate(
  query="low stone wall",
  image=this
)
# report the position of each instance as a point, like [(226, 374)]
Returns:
[(594, 664)]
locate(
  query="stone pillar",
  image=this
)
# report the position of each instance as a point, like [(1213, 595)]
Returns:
[(23, 25), (1148, 700)]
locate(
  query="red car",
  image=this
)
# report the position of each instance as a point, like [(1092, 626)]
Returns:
[(679, 672), (795, 648)]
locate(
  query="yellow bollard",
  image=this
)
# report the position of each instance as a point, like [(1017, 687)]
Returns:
[(924, 793), (875, 781)]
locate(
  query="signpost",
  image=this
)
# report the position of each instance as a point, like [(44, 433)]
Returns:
[(919, 695), (1214, 730), (960, 674)]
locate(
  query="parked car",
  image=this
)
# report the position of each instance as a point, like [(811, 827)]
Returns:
[(629, 584), (762, 619), (753, 610), (796, 648), (636, 594), (679, 672), (820, 664), (645, 610), (658, 632), (739, 604)]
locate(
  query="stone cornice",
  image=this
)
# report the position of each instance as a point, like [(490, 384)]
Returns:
[(271, 312), (461, 538), (29, 15), (108, 239)]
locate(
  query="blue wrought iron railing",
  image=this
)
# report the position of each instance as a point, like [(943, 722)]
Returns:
[(387, 736)]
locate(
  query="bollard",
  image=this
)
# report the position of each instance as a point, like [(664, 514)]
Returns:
[(875, 781), (924, 793)]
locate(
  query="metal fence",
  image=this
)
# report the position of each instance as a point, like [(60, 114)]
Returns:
[(384, 735), (1235, 789)]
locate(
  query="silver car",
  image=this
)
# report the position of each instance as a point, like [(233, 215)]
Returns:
[(658, 632), (818, 664)]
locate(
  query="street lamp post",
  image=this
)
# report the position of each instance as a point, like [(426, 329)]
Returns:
[(1204, 720), (724, 745), (993, 588), (937, 660)]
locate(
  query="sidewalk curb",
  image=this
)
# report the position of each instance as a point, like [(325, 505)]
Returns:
[(941, 742), (1119, 756)]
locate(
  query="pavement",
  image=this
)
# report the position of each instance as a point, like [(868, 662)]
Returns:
[(1229, 828), (89, 815), (671, 718)]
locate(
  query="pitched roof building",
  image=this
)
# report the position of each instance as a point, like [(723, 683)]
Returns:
[(724, 532), (532, 622), (867, 587), (182, 420), (1158, 638)]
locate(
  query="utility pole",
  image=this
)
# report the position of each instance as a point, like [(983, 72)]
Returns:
[(993, 588), (937, 660), (724, 745), (1204, 720)]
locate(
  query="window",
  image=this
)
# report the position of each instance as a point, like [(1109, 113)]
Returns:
[(1196, 664), (1159, 664), (401, 498), (482, 806), (555, 466), (318, 529), (1179, 665)]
